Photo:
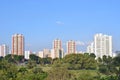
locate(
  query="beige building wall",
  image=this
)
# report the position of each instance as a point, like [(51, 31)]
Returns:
[(18, 44), (71, 47)]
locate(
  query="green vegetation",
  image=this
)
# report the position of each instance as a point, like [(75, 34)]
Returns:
[(71, 67)]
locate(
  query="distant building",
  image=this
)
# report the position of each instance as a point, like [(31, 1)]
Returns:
[(52, 52), (102, 45), (57, 44), (90, 48), (57, 48), (40, 54), (4, 50), (18, 44), (46, 53), (71, 47), (27, 54)]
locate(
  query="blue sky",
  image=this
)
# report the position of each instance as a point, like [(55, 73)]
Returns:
[(42, 21)]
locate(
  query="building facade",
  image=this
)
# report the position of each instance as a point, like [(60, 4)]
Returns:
[(103, 45), (57, 44), (71, 47), (18, 44), (40, 54), (27, 54), (46, 53), (58, 51), (4, 50), (90, 48)]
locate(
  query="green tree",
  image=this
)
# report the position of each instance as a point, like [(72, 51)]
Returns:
[(80, 61), (47, 60), (38, 70), (116, 60), (59, 73), (86, 54), (99, 60), (117, 72), (11, 71), (31, 64), (92, 55), (33, 57), (22, 70), (18, 58), (106, 65)]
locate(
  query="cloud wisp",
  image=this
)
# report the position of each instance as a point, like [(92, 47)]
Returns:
[(80, 43), (59, 23)]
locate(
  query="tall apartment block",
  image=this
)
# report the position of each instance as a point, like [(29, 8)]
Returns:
[(18, 44), (46, 53), (102, 45), (90, 48), (4, 50), (71, 47), (40, 54), (27, 54), (57, 44), (57, 47)]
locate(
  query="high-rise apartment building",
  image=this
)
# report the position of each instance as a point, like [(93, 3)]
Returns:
[(52, 52), (58, 51), (40, 54), (90, 48), (57, 44), (18, 44), (46, 53), (27, 54), (71, 47), (4, 50), (102, 45)]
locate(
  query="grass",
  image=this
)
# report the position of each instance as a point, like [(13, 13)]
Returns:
[(85, 73), (79, 74), (45, 68)]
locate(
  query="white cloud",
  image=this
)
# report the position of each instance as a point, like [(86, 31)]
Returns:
[(59, 23), (88, 43), (28, 45), (80, 43)]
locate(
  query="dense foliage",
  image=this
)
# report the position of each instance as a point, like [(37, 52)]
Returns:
[(71, 67)]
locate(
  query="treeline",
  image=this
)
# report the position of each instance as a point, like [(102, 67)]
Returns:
[(13, 67)]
